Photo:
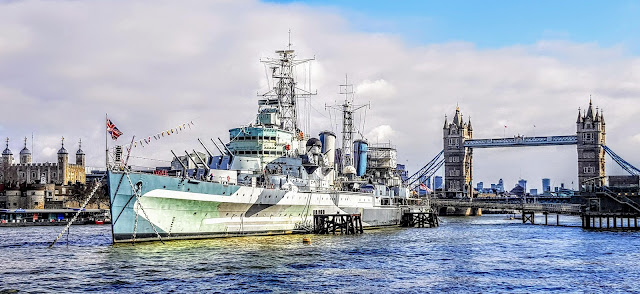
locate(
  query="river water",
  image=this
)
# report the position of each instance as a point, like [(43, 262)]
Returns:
[(486, 254)]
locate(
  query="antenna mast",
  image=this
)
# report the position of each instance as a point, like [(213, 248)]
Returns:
[(347, 108), (284, 94)]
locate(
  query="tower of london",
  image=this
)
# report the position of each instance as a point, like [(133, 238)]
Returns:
[(27, 172)]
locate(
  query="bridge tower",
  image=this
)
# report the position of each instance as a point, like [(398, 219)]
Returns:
[(458, 159), (591, 137)]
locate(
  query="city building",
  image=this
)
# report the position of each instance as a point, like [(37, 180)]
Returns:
[(480, 186), (546, 185), (518, 190), (402, 172), (500, 186), (523, 183), (533, 192), (437, 182)]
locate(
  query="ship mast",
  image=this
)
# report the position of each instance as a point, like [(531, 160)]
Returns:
[(285, 93), (347, 108)]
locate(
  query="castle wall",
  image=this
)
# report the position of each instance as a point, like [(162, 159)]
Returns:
[(75, 173), (31, 173), (15, 199), (35, 199)]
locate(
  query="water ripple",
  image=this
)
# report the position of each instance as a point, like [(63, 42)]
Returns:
[(479, 254)]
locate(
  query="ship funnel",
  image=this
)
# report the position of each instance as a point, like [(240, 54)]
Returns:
[(360, 148), (328, 140)]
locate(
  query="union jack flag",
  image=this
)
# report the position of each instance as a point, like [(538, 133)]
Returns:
[(423, 186), (113, 130)]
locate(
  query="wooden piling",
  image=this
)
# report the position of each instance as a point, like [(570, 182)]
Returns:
[(614, 221), (343, 224), (419, 219)]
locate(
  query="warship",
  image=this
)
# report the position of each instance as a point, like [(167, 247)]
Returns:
[(269, 178)]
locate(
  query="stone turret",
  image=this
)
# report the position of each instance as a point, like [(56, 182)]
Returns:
[(25, 154), (63, 163), (80, 156), (591, 137), (7, 156)]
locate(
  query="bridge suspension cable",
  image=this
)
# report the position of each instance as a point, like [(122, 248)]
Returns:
[(428, 170), (623, 163), (429, 173)]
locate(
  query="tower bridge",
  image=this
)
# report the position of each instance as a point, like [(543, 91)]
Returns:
[(458, 144), (595, 200), (458, 141)]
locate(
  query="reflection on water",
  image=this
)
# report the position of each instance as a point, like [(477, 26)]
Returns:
[(472, 254)]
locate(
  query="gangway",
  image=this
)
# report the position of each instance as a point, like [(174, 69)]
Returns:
[(623, 163), (621, 199), (428, 170)]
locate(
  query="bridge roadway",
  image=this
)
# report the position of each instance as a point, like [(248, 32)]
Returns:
[(559, 208)]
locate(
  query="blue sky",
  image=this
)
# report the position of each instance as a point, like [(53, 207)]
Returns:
[(493, 24), (413, 61)]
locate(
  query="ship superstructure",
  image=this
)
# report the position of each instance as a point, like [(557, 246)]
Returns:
[(270, 177)]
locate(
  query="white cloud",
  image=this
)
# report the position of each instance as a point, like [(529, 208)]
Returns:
[(381, 134), (152, 65), (49, 152), (375, 90)]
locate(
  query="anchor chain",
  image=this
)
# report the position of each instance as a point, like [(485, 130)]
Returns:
[(84, 204), (136, 192), (135, 226)]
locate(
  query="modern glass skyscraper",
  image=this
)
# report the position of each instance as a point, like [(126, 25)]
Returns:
[(437, 182), (546, 185), (500, 186)]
